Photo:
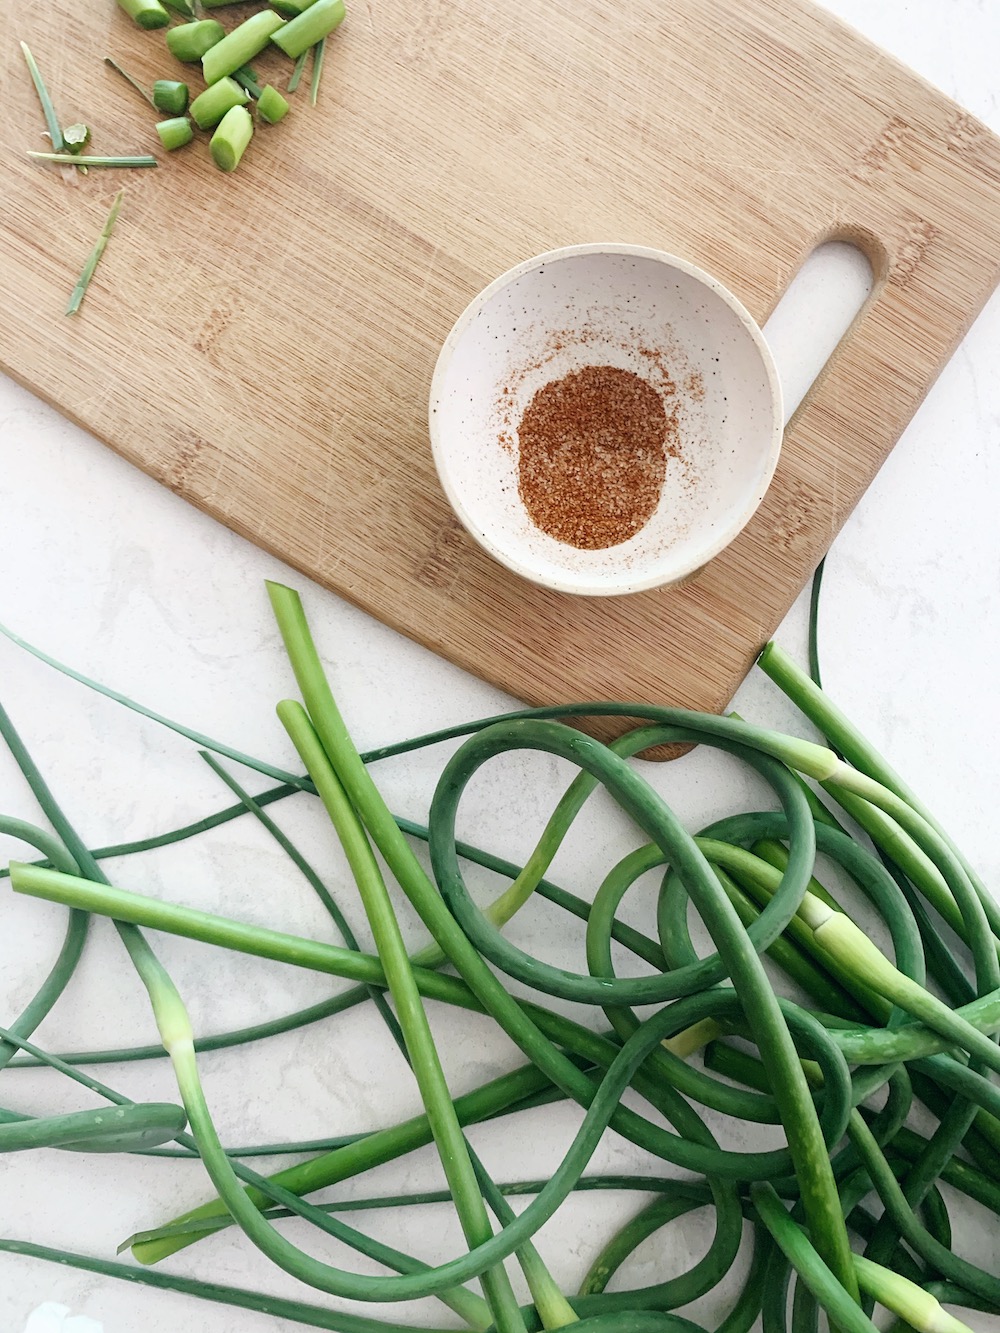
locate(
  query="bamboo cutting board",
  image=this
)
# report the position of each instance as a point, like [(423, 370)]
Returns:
[(263, 343)]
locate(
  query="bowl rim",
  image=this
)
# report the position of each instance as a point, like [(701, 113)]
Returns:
[(610, 584)]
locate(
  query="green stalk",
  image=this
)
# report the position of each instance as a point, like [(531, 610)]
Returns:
[(147, 13), (798, 1113), (926, 835), (209, 107), (276, 1307), (693, 1039), (761, 878), (247, 80), (837, 1302), (76, 933), (883, 1178), (206, 742), (514, 1189), (317, 1174), (647, 1222), (175, 1031), (553, 1308), (549, 1300), (776, 854), (420, 1045), (603, 1107), (918, 867), (83, 281), (344, 1163), (171, 96), (861, 1046), (842, 733), (231, 138), (241, 45), (527, 880), (291, 9), (128, 1128), (271, 106), (953, 1294), (188, 42), (296, 950), (842, 939), (824, 992), (637, 943), (174, 133), (48, 110), (311, 26), (316, 884), (469, 1306)]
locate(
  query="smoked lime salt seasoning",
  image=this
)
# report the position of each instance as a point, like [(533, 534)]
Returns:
[(592, 456)]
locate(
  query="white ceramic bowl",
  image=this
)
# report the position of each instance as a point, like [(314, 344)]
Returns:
[(638, 310)]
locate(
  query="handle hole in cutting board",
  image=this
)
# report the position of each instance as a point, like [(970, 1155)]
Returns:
[(818, 307)]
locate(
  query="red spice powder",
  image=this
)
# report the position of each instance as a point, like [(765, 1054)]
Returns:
[(592, 456)]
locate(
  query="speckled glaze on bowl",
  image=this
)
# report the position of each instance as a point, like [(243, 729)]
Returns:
[(640, 310)]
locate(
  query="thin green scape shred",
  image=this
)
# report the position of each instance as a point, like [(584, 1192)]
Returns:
[(788, 1246), (296, 75), (71, 160), (89, 268), (48, 110), (319, 56), (144, 93)]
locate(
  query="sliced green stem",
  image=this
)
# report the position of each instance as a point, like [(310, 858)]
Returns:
[(147, 13), (311, 26), (170, 95), (208, 108), (188, 42), (175, 133), (239, 47), (232, 138), (271, 106)]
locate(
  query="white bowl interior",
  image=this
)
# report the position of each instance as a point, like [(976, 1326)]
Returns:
[(639, 311)]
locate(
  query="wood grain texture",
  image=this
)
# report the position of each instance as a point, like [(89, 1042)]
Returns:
[(263, 343)]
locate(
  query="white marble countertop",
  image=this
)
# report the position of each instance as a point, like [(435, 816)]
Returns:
[(121, 579)]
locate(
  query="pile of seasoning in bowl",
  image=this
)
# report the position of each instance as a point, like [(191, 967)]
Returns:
[(605, 419)]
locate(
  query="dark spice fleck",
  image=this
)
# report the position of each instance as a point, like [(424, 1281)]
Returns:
[(592, 456)]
